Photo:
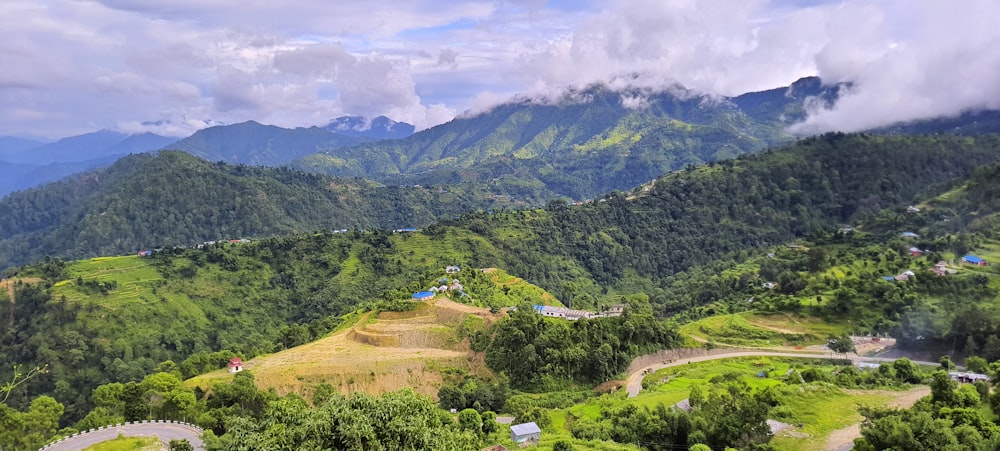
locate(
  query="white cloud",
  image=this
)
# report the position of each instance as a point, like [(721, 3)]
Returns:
[(946, 62), (71, 66)]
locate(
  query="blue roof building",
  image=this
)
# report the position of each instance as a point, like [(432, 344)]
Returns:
[(974, 260), (909, 234), (423, 295)]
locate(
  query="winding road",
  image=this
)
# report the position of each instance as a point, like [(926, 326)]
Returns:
[(163, 431)]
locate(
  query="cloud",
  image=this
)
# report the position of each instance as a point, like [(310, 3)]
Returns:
[(945, 63), (72, 66)]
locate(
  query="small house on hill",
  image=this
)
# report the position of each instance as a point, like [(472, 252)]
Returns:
[(972, 259), (909, 234), (423, 296), (905, 276), (525, 434), (235, 365), (915, 251), (452, 270)]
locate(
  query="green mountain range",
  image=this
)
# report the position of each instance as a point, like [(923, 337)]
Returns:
[(175, 199), (586, 142), (653, 242)]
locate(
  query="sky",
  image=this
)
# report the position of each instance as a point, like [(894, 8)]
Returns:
[(174, 66)]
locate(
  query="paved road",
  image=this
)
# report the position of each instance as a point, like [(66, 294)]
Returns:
[(164, 431), (634, 384)]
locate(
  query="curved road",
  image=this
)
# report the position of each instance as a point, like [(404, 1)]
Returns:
[(163, 431), (634, 382)]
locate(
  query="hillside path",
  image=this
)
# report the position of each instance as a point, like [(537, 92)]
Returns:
[(634, 381), (163, 431)]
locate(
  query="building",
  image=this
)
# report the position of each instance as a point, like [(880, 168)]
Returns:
[(525, 434), (968, 378), (915, 251), (909, 234), (973, 260), (423, 295), (452, 269), (912, 209), (905, 276), (235, 365), (685, 405), (941, 269), (562, 312), (868, 366)]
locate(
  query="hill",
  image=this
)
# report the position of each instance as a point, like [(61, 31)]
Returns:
[(27, 163), (266, 145), (175, 199), (381, 351), (248, 298), (588, 141)]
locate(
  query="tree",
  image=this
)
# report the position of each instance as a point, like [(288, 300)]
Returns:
[(469, 420), (181, 445), (906, 370), (562, 445), (20, 376), (976, 364), (841, 344)]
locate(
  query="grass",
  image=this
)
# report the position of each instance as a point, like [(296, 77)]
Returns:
[(759, 330), (390, 351), (123, 443), (821, 408)]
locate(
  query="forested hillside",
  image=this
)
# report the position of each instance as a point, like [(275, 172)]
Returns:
[(174, 199), (629, 242), (248, 297), (588, 142)]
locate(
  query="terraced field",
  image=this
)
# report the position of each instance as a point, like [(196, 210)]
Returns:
[(390, 351)]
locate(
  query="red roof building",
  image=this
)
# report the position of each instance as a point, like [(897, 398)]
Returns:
[(235, 365)]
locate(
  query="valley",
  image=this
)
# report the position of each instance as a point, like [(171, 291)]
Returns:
[(742, 266)]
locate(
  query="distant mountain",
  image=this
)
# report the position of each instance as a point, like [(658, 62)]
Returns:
[(379, 128), (970, 123), (256, 144), (11, 147), (172, 198), (587, 142), (23, 176), (90, 146), (26, 163), (787, 104)]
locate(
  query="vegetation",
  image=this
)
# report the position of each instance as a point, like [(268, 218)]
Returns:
[(171, 199), (697, 243), (586, 143)]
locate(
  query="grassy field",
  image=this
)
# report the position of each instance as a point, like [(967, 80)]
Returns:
[(762, 331), (374, 354), (129, 444), (821, 408)]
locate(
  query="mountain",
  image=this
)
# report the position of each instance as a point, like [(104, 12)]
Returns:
[(379, 128), (256, 144), (258, 297), (786, 105), (91, 146), (26, 167), (175, 199), (587, 142), (24, 176), (11, 147), (968, 123)]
